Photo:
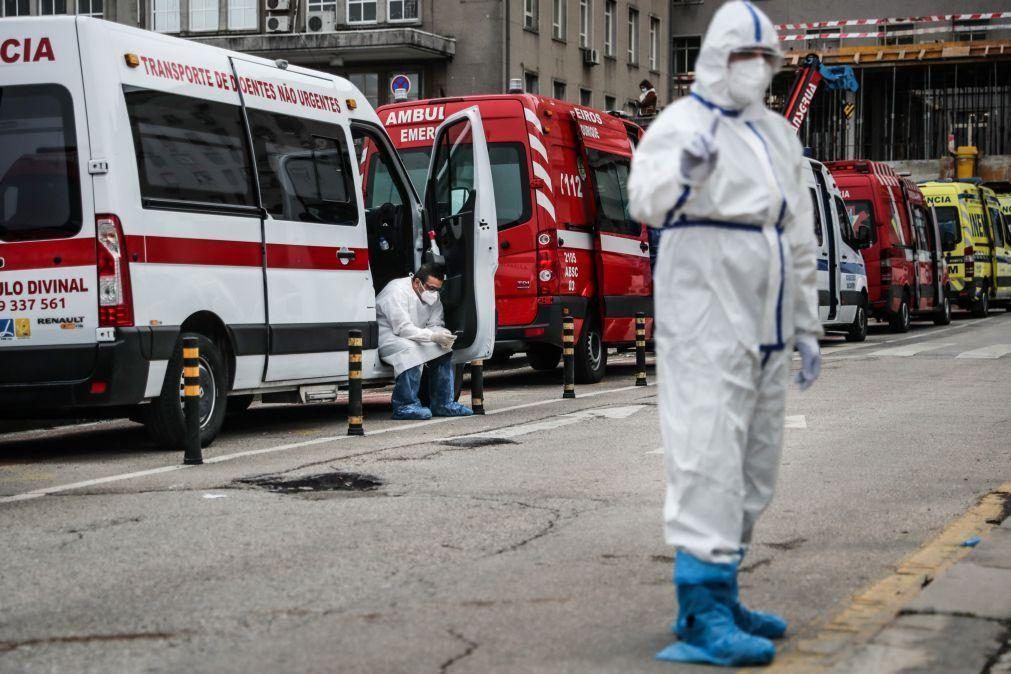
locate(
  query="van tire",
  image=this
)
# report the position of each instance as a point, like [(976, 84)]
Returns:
[(943, 315), (981, 309), (164, 416), (590, 353), (900, 320), (858, 330), (544, 357)]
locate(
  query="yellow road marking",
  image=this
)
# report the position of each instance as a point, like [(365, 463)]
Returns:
[(876, 606)]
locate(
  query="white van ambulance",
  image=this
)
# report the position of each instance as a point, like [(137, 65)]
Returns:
[(842, 275), (153, 188)]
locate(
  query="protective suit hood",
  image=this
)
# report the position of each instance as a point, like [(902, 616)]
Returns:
[(736, 25)]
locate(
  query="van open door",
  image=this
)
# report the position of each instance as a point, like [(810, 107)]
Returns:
[(460, 211)]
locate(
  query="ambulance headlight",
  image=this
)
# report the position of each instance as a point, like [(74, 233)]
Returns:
[(545, 275)]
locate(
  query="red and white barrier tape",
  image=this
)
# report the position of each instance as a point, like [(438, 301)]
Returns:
[(909, 19), (889, 34)]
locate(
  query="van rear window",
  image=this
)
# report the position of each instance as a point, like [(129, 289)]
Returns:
[(947, 221), (861, 212), (40, 185)]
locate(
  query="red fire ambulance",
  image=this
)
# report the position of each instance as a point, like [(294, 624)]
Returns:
[(567, 245), (907, 274)]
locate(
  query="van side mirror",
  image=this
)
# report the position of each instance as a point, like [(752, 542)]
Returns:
[(948, 240), (863, 235)]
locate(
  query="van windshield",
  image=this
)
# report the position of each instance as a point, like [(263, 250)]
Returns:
[(40, 189), (508, 172), (947, 221)]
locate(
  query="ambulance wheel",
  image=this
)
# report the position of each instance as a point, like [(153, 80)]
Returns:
[(590, 353), (981, 309), (943, 316), (544, 357), (858, 330), (164, 419), (899, 322)]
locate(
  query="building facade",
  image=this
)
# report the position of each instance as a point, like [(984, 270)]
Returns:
[(593, 52), (930, 74)]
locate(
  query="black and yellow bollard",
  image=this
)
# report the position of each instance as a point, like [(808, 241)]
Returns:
[(568, 357), (640, 349), (355, 383), (477, 386), (192, 454)]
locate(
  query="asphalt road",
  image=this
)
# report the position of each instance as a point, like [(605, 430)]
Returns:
[(528, 540)]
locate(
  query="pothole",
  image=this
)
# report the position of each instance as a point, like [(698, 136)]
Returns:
[(324, 482), (484, 441)]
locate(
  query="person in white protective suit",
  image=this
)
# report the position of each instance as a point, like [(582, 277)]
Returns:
[(412, 335), (735, 292)]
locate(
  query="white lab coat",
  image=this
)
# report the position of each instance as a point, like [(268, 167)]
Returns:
[(406, 326), (735, 281)]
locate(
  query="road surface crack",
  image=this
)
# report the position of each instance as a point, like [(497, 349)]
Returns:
[(6, 646), (471, 646)]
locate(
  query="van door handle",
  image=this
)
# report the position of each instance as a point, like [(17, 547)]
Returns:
[(346, 255), (643, 246)]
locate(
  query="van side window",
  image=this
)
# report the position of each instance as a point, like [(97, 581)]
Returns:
[(610, 182), (845, 224), (948, 221), (40, 184), (920, 225), (304, 168), (817, 218), (189, 150), (997, 222)]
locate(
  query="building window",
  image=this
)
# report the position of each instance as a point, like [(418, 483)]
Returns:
[(633, 36), (890, 39), (585, 97), (16, 8), (361, 11), (609, 102), (530, 11), (610, 9), (821, 38), (242, 15), (166, 16), (558, 19), (402, 10), (90, 8), (51, 7), (558, 89), (654, 42), (368, 84), (971, 30), (585, 11), (530, 83), (686, 51), (203, 15)]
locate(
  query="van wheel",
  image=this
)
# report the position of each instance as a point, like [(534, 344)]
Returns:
[(943, 316), (858, 330), (164, 418), (899, 322), (590, 353), (981, 309), (544, 357)]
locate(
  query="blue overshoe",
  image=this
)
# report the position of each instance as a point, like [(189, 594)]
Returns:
[(412, 413), (452, 409)]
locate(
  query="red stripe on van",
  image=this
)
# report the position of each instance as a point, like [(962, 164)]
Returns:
[(211, 252), (48, 254)]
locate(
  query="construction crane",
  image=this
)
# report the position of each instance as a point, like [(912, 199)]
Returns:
[(811, 77)]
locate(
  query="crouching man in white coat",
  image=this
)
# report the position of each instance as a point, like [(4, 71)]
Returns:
[(735, 292), (412, 335)]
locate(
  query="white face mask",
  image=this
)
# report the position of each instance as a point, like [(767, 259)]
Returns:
[(429, 297), (748, 80)]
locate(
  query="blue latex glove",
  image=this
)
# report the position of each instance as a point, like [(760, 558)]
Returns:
[(810, 361)]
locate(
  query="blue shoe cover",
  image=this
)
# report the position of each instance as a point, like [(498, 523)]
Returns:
[(412, 413), (452, 409), (767, 625)]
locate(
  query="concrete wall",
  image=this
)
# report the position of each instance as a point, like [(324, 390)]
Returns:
[(477, 25), (992, 168)]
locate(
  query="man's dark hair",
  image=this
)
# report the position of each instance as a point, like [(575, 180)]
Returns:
[(646, 83), (430, 270)]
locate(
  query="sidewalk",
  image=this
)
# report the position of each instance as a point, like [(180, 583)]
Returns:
[(961, 622)]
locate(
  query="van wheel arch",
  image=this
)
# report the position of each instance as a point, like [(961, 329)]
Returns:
[(211, 326)]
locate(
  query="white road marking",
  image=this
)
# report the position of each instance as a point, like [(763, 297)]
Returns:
[(215, 495), (830, 354), (45, 491), (658, 450), (909, 350), (555, 422), (796, 421), (993, 351)]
